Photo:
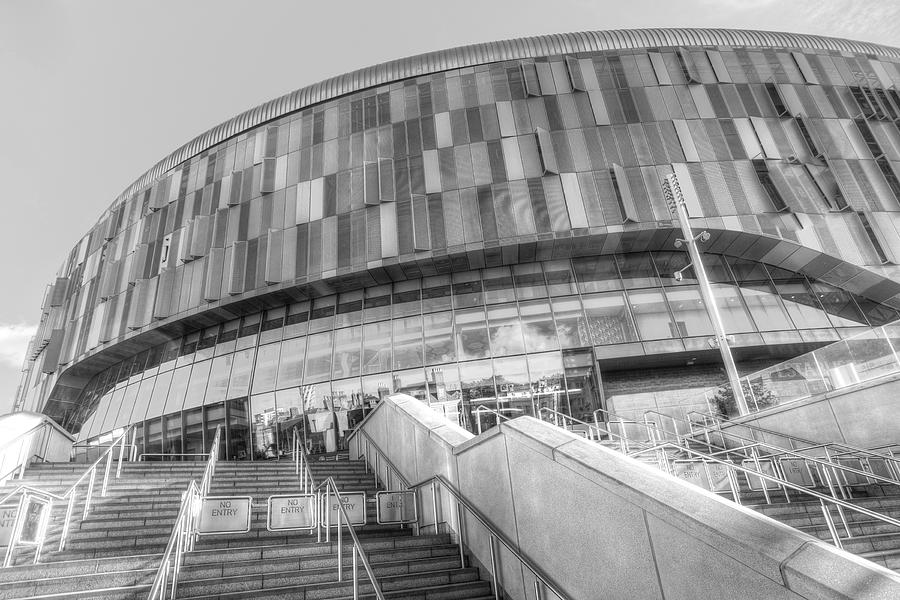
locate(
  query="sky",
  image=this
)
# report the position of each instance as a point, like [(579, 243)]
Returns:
[(95, 92)]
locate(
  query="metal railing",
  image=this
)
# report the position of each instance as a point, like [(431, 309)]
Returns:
[(308, 486), (846, 475), (184, 532), (14, 459), (70, 497), (711, 424), (437, 483)]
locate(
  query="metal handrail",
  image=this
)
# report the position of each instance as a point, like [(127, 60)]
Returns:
[(461, 501), (776, 451), (783, 483), (308, 485), (810, 444), (71, 495), (21, 462), (184, 531)]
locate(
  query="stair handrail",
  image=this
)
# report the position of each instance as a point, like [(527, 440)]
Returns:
[(783, 483), (308, 486), (809, 444), (70, 496), (184, 532), (24, 453), (624, 441), (438, 480), (651, 428), (774, 452), (481, 409)]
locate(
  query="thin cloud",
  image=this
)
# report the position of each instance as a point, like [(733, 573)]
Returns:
[(14, 338)]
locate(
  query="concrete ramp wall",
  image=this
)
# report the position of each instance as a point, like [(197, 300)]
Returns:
[(602, 525)]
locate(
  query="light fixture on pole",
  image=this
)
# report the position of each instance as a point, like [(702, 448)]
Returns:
[(675, 200)]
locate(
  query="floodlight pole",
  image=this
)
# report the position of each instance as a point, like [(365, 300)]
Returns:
[(675, 200)]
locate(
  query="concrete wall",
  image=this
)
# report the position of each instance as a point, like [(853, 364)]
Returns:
[(863, 415), (604, 525)]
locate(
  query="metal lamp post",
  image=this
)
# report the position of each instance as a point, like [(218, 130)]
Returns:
[(675, 200)]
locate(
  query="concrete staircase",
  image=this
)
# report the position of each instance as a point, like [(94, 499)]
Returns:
[(115, 553), (871, 539)]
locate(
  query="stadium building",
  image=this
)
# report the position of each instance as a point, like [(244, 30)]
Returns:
[(484, 228)]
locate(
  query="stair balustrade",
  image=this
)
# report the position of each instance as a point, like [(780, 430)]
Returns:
[(28, 494)]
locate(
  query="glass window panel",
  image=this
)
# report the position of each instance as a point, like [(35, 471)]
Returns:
[(801, 304), (196, 389), (477, 389), (122, 412), (173, 436), (376, 355), (266, 370), (436, 294), (214, 415), (318, 358), (467, 290), (529, 281), (239, 384), (376, 387), (839, 305), (691, 318), (439, 343), (297, 320), (153, 441), (158, 399), (349, 309), (765, 307), (547, 383), (651, 314), (346, 352), (321, 317), (444, 393), (597, 274), (219, 374), (731, 309), (238, 429), (560, 278), (505, 330), (609, 319), (637, 270), (669, 262), (571, 326), (581, 384), (407, 342), (377, 303), (537, 324), (193, 432), (177, 391), (290, 366), (513, 387), (471, 334), (264, 426), (498, 285), (407, 298), (346, 395), (411, 382)]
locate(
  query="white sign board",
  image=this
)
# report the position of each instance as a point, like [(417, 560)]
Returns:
[(692, 471), (354, 505), (224, 514), (291, 512), (7, 520), (396, 507)]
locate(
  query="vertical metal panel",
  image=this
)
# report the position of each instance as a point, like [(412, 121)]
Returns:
[(162, 304), (50, 360), (761, 128), (574, 202), (718, 65), (546, 151), (388, 221), (686, 140), (289, 254), (267, 181), (200, 238), (556, 203), (659, 68), (234, 282), (212, 286), (58, 295), (274, 253)]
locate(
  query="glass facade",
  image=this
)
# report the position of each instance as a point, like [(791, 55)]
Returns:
[(509, 340), (484, 238)]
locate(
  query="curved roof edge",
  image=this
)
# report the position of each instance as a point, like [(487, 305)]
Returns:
[(488, 52)]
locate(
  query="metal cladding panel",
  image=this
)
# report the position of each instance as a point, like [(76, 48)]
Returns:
[(212, 285), (58, 295), (52, 351)]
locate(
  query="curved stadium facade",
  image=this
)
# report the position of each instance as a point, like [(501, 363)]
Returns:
[(484, 227)]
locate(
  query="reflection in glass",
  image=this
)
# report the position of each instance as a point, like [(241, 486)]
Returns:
[(239, 384), (505, 330), (219, 374), (376, 353), (571, 326), (801, 305), (691, 318), (651, 314), (477, 386), (439, 344), (637, 270), (537, 324), (290, 366), (346, 352), (471, 334), (765, 307), (407, 342), (264, 426), (444, 393), (318, 357), (238, 429), (597, 274), (608, 319), (266, 369), (193, 433)]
